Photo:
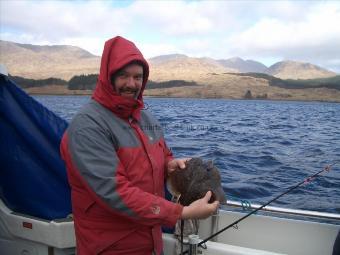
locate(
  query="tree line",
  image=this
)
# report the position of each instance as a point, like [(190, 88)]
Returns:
[(28, 83), (331, 82), (88, 82)]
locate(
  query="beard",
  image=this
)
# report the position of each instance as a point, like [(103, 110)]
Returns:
[(133, 92)]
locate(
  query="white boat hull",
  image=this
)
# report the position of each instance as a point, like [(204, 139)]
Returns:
[(266, 235), (258, 234)]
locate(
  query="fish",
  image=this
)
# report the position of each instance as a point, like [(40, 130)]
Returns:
[(195, 180)]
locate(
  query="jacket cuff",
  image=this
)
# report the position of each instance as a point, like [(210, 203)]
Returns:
[(174, 215)]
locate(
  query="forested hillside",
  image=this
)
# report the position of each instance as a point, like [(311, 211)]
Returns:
[(29, 83), (88, 82), (331, 82)]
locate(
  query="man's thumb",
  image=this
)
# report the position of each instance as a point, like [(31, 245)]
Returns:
[(207, 196)]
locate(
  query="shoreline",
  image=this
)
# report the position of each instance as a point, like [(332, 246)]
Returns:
[(208, 92), (202, 98)]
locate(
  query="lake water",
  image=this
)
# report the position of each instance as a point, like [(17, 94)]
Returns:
[(261, 147)]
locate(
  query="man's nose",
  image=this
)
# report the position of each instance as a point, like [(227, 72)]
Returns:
[(130, 82)]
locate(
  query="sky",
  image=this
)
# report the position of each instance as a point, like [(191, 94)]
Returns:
[(266, 31)]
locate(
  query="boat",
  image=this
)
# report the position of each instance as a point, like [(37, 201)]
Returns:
[(260, 234), (36, 219)]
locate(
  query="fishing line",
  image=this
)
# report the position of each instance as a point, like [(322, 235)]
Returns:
[(182, 230), (305, 181)]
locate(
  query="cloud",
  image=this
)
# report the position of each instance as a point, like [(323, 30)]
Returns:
[(95, 45), (300, 30), (152, 50), (52, 20), (172, 18), (316, 37)]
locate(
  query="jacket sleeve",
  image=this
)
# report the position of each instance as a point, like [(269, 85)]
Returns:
[(168, 157), (90, 155)]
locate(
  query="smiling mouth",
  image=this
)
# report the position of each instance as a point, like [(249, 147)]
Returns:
[(129, 92)]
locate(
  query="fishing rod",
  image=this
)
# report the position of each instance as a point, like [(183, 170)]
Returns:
[(305, 181)]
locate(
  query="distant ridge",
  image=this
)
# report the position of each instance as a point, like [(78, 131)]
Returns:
[(298, 70), (178, 66), (76, 51), (243, 66), (41, 62), (64, 61), (165, 58)]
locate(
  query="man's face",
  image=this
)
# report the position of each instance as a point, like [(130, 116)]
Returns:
[(128, 81)]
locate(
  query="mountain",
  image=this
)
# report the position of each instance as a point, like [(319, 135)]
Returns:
[(199, 77), (167, 67), (165, 58), (40, 62), (63, 61), (298, 70), (243, 66), (182, 67)]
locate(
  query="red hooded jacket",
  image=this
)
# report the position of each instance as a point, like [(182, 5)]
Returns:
[(116, 161)]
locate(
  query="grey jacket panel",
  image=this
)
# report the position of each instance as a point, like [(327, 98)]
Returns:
[(151, 127), (119, 131), (95, 157), (95, 134)]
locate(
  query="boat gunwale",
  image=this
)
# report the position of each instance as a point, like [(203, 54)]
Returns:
[(274, 209)]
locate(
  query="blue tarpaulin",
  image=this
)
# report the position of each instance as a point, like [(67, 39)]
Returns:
[(33, 176)]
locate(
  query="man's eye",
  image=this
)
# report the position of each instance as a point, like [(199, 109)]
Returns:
[(122, 76)]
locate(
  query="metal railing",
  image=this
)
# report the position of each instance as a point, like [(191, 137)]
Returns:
[(315, 214)]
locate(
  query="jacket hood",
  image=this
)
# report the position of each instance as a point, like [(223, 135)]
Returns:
[(118, 52)]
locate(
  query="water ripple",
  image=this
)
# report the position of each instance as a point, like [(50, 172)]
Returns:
[(261, 147)]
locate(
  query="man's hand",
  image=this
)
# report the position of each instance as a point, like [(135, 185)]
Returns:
[(177, 164), (200, 209)]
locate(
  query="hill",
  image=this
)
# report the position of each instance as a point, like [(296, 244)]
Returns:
[(236, 86), (298, 70), (243, 66), (331, 82), (41, 62), (197, 77), (182, 67), (64, 61)]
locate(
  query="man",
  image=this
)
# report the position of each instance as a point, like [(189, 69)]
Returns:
[(117, 161)]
